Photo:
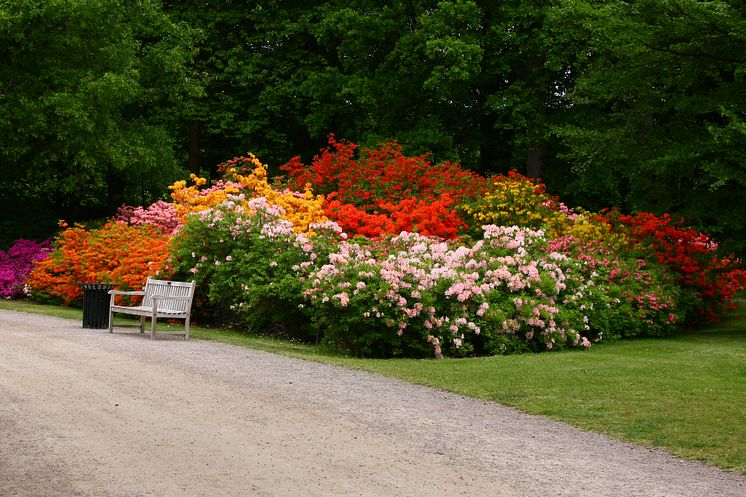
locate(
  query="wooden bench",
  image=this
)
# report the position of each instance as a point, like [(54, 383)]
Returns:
[(160, 299)]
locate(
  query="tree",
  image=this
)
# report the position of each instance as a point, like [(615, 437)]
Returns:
[(658, 117), (89, 100), (465, 80), (254, 59)]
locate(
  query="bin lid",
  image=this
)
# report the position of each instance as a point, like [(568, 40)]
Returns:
[(96, 286)]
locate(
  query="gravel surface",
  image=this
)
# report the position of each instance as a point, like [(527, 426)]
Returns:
[(87, 413)]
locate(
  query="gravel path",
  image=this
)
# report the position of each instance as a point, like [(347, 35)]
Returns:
[(86, 413)]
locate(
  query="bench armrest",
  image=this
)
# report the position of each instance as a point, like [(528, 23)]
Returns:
[(121, 292)]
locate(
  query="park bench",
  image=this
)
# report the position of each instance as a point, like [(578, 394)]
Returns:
[(160, 299)]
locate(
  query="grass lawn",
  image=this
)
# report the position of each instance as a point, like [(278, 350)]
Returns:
[(686, 394)]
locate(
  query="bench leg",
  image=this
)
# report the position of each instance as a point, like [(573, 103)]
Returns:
[(153, 319), (111, 321), (142, 324), (186, 328)]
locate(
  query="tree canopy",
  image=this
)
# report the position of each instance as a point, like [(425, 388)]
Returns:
[(659, 108), (636, 105), (89, 104)]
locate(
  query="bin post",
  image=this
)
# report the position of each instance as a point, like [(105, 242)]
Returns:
[(96, 305)]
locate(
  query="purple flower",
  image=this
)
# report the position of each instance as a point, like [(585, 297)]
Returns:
[(17, 263)]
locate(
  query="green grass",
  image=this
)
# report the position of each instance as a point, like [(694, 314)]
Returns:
[(686, 394)]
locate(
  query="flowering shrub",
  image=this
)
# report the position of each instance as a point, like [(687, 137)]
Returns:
[(193, 198), (248, 175), (382, 191), (641, 298), (435, 218), (245, 258), (589, 227), (300, 208), (515, 200), (161, 214), (415, 295), (17, 263), (116, 253), (709, 280)]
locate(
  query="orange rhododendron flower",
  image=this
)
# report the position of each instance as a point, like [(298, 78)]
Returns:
[(116, 253)]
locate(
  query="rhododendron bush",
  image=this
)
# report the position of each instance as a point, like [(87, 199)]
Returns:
[(198, 196), (247, 176), (382, 191), (440, 261), (300, 207), (708, 279), (246, 260), (161, 214), (416, 296), (116, 253), (641, 297), (17, 263), (515, 200)]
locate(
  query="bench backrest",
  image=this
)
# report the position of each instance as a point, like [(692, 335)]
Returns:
[(169, 289)]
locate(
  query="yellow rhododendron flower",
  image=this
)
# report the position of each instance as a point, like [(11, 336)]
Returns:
[(193, 199), (301, 208)]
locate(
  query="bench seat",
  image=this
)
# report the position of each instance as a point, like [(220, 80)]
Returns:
[(141, 310)]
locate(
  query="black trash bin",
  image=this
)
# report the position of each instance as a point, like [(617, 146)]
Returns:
[(96, 305)]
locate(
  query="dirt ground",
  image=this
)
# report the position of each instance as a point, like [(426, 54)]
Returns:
[(87, 413)]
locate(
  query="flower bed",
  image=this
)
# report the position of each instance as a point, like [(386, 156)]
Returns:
[(440, 261)]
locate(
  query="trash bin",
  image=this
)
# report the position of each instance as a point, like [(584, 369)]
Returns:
[(96, 305)]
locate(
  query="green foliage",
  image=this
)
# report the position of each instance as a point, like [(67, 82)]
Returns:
[(89, 95), (254, 60), (637, 105), (460, 79), (658, 113), (246, 263)]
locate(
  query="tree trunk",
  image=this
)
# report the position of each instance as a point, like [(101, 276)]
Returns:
[(195, 135), (115, 183), (535, 162)]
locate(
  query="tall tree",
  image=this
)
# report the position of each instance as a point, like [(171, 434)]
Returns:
[(659, 117), (470, 80), (254, 59), (89, 99), (531, 69)]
